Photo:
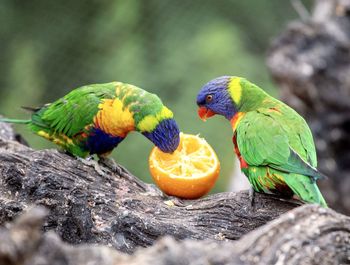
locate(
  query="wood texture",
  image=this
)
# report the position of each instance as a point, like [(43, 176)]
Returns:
[(119, 215), (119, 210), (308, 235)]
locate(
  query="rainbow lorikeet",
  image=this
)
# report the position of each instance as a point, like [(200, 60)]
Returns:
[(272, 141), (94, 119)]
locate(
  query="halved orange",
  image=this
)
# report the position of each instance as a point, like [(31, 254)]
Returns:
[(190, 172)]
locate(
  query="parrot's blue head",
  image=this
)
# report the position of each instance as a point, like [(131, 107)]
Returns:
[(214, 98), (166, 135)]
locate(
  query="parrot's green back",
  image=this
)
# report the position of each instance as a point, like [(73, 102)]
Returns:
[(94, 119), (65, 120), (275, 144), (74, 111)]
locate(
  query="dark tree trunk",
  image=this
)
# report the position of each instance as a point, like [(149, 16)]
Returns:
[(118, 209), (307, 235), (310, 61), (119, 212)]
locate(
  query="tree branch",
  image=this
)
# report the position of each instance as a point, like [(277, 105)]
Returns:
[(112, 209), (307, 235)]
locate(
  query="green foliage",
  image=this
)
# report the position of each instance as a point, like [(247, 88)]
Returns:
[(170, 48)]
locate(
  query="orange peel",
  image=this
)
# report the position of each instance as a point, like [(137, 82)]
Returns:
[(190, 172)]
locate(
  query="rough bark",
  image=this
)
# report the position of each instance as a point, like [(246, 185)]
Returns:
[(118, 212), (117, 209), (306, 235), (310, 61)]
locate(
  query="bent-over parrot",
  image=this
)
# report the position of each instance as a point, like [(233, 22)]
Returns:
[(94, 119)]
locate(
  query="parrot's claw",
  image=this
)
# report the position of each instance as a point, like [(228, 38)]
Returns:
[(122, 172), (173, 201), (111, 164), (91, 162), (251, 196)]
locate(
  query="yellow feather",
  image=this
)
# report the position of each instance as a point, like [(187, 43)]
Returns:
[(236, 119), (235, 89), (44, 134), (150, 122), (118, 87), (113, 118), (60, 139), (279, 177), (165, 113)]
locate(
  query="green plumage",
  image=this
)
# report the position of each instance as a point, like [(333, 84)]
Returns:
[(272, 141), (70, 114), (277, 144), (94, 119)]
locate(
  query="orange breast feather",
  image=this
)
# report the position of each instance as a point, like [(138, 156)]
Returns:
[(113, 118)]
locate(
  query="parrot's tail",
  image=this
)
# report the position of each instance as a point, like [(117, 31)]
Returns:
[(305, 188), (15, 121)]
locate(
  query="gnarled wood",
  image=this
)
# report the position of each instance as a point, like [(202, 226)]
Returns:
[(307, 235), (118, 212), (113, 209)]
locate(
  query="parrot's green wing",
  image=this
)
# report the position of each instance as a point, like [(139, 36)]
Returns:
[(302, 142), (264, 141), (70, 114)]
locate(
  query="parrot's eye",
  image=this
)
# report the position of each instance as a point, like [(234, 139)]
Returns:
[(209, 98)]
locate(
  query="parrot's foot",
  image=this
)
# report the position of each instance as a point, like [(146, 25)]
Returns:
[(123, 172), (111, 164), (173, 201), (251, 196), (92, 163)]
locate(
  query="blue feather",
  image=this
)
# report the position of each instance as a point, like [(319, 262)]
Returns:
[(166, 136), (221, 102), (99, 142)]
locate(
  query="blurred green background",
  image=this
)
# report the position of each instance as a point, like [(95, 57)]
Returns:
[(169, 47)]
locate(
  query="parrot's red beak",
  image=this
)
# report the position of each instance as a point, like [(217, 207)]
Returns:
[(205, 113)]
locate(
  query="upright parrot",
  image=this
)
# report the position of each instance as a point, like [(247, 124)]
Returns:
[(94, 119), (273, 142)]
